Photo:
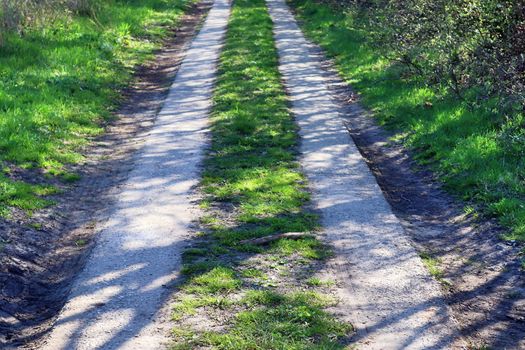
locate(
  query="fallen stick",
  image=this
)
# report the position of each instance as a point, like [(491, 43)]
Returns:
[(271, 238)]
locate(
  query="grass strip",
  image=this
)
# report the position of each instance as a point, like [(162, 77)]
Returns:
[(478, 155), (59, 84), (238, 296)]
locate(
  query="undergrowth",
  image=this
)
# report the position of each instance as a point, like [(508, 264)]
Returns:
[(478, 155), (237, 295), (59, 84)]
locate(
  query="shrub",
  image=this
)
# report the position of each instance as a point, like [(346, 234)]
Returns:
[(475, 48), (19, 15)]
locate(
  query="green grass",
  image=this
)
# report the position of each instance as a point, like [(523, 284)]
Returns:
[(316, 281), (281, 322), (60, 83), (253, 187), (432, 265), (22, 195), (477, 154)]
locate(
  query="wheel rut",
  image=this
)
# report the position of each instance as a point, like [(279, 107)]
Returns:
[(115, 301), (385, 290)]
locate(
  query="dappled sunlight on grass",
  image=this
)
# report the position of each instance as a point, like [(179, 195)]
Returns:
[(60, 83), (21, 195)]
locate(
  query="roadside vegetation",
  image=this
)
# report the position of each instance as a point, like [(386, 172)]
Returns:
[(237, 295), (62, 65), (446, 78)]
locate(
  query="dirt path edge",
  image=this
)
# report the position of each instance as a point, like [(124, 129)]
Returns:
[(42, 255), (384, 288)]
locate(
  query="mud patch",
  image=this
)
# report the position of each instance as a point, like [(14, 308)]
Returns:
[(480, 273), (39, 256)]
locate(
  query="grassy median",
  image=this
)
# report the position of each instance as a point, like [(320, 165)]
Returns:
[(248, 296)]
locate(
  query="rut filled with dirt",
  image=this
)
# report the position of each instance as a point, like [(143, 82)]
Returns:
[(120, 300), (41, 255), (384, 288)]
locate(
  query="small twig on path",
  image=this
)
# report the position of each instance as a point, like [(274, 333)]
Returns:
[(271, 238)]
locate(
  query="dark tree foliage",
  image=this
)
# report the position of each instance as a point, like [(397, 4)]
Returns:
[(474, 47)]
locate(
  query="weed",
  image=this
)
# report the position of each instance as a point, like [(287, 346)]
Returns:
[(316, 282), (36, 225), (80, 242), (24, 196), (199, 267), (191, 254), (70, 177), (188, 305), (432, 264), (253, 273), (282, 322), (219, 279)]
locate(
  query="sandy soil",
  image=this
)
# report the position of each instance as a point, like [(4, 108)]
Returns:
[(384, 288)]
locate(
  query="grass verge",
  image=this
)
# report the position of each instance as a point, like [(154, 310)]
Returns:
[(477, 154), (240, 296), (59, 84)]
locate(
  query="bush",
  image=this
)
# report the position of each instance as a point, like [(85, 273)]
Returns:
[(19, 15), (476, 48)]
